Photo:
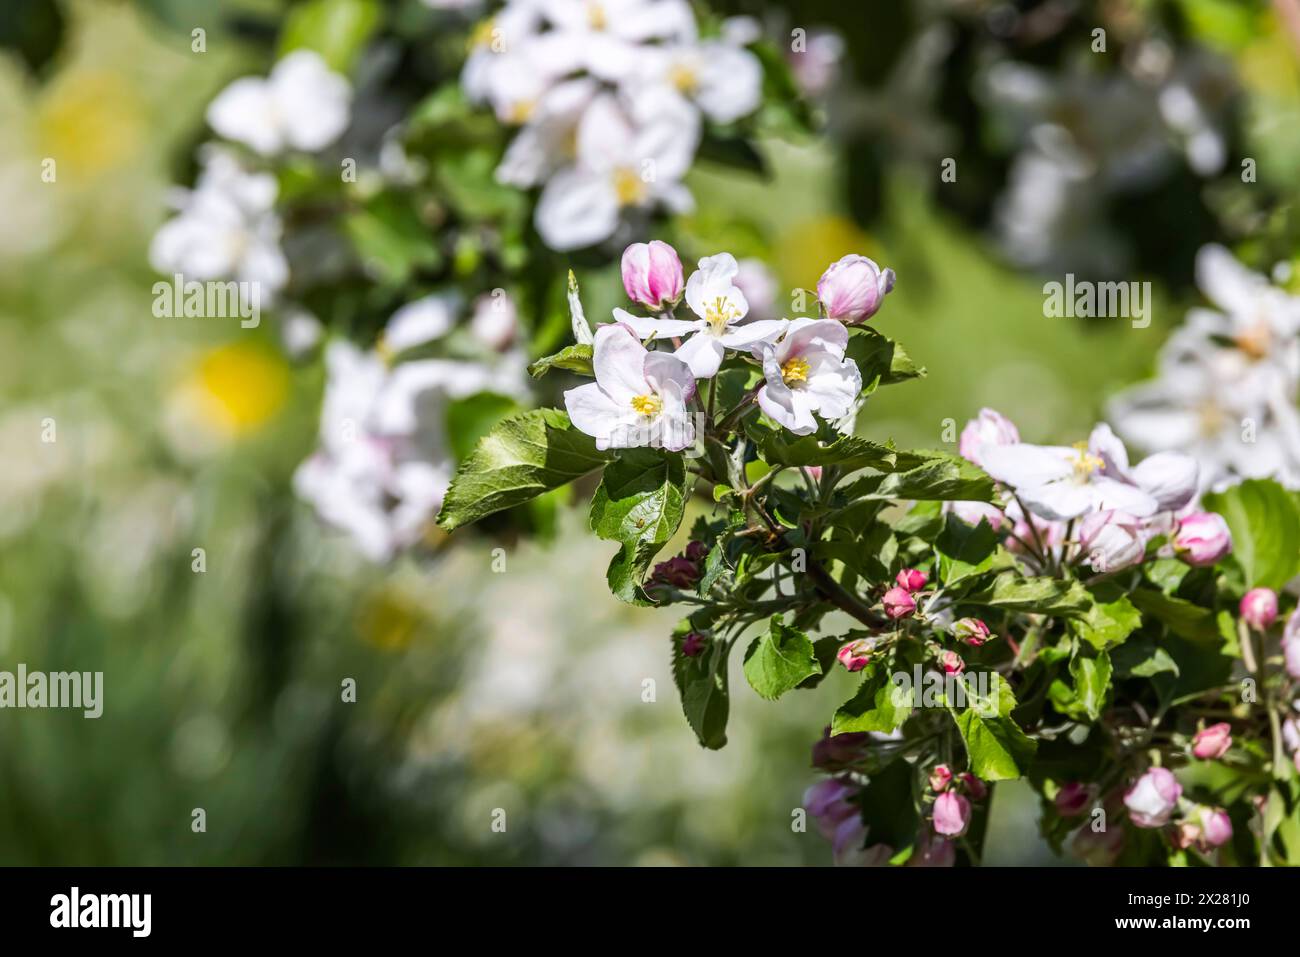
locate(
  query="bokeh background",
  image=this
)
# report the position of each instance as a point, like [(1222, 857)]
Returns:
[(523, 690)]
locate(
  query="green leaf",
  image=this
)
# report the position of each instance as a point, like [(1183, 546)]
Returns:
[(878, 705), (1091, 681), (1265, 523), (639, 503), (471, 418), (1106, 625), (336, 29), (1141, 657), (965, 550), (1179, 615), (890, 805), (521, 458), (925, 475), (570, 358), (998, 749), (702, 684), (880, 360), (1047, 596), (780, 447), (779, 660)]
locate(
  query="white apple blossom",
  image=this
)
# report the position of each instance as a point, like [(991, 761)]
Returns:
[(226, 228), (720, 306), (623, 162), (807, 372), (302, 105), (639, 397), (608, 96)]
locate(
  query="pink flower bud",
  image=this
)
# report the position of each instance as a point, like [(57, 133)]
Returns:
[(1152, 798), (1098, 848), (832, 752), (940, 777), (973, 785), (1073, 798), (696, 551), (952, 662), (829, 799), (693, 644), (932, 851), (899, 603), (1216, 827), (1202, 538), (652, 274), (951, 814), (911, 579), (679, 572), (971, 630), (814, 472), (855, 655), (852, 289), (1259, 608), (1213, 742), (987, 428), (848, 837)]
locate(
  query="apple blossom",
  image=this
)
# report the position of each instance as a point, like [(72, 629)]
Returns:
[(1258, 608), (1202, 538), (1291, 657), (951, 814), (720, 305), (911, 579), (652, 275), (302, 105), (976, 788), (1213, 742), (852, 289), (899, 603), (1064, 482), (952, 662), (988, 428), (806, 372), (1152, 798), (972, 631), (639, 398), (1111, 540), (855, 655), (940, 777)]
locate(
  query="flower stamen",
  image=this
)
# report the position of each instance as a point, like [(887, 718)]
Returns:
[(628, 187), (795, 370), (648, 405), (1085, 463)]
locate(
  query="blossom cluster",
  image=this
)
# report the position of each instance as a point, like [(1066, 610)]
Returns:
[(609, 97), (1228, 380), (641, 397)]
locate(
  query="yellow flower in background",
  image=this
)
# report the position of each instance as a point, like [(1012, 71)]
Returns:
[(232, 390), (806, 249), (89, 121)]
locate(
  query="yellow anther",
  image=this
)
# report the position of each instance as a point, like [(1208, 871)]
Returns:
[(628, 187), (684, 78), (1085, 463), (647, 405), (596, 18), (794, 370), (719, 312)]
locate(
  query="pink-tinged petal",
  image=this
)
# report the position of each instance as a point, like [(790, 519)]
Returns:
[(663, 368), (762, 330), (1057, 500), (592, 411), (618, 359), (1103, 444), (1109, 494), (655, 327), (803, 335), (833, 392), (576, 209), (703, 352), (1022, 465)]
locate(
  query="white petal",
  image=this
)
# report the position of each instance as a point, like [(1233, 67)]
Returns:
[(655, 327), (703, 353), (245, 112), (1023, 465), (592, 411), (619, 362), (576, 209)]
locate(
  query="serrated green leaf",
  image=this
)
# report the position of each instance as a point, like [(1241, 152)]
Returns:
[(964, 550), (779, 660), (639, 503), (878, 705), (1107, 625), (1047, 596), (702, 684), (1265, 523), (880, 360), (1091, 681), (997, 747), (575, 358), (1180, 616), (521, 458), (926, 475)]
